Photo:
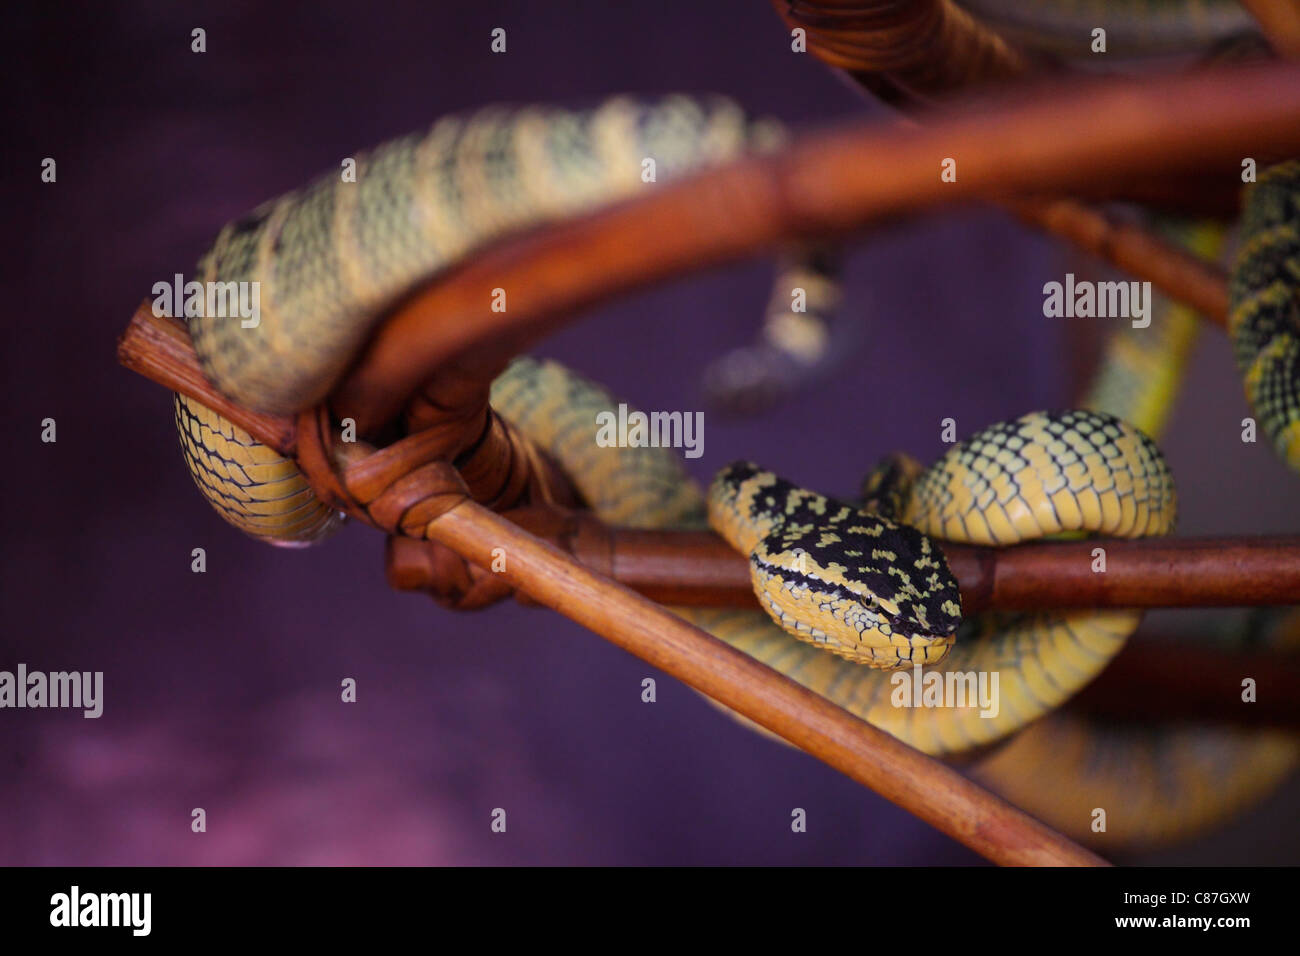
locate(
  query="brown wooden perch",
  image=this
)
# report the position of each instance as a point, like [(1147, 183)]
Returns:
[(699, 568), (836, 182)]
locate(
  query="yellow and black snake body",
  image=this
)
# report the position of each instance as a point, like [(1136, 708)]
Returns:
[(1044, 474), (1264, 294), (331, 257), (1166, 780), (864, 581)]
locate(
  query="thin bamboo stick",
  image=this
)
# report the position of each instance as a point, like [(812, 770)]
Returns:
[(923, 786)]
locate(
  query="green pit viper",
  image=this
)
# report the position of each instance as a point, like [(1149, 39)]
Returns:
[(866, 582)]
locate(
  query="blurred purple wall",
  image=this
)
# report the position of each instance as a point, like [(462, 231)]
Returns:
[(222, 689)]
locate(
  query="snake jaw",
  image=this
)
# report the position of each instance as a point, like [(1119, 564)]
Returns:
[(853, 625)]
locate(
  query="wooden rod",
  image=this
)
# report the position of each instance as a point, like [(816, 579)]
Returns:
[(158, 347), (823, 185), (1143, 572), (931, 790), (1140, 252), (697, 568)]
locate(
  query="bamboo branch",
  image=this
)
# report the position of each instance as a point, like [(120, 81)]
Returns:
[(697, 568), (823, 185), (690, 567), (921, 785)]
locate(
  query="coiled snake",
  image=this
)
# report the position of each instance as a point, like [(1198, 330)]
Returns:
[(862, 579)]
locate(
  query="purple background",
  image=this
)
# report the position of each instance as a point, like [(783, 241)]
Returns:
[(222, 689)]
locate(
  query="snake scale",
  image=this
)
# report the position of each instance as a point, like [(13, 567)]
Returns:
[(862, 578)]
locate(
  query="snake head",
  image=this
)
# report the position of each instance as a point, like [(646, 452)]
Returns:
[(856, 584)]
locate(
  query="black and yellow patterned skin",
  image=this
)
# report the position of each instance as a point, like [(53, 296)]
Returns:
[(250, 485), (331, 257), (1044, 474), (1264, 297), (1157, 783)]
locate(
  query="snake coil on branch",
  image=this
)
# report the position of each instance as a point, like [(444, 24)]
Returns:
[(863, 580)]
